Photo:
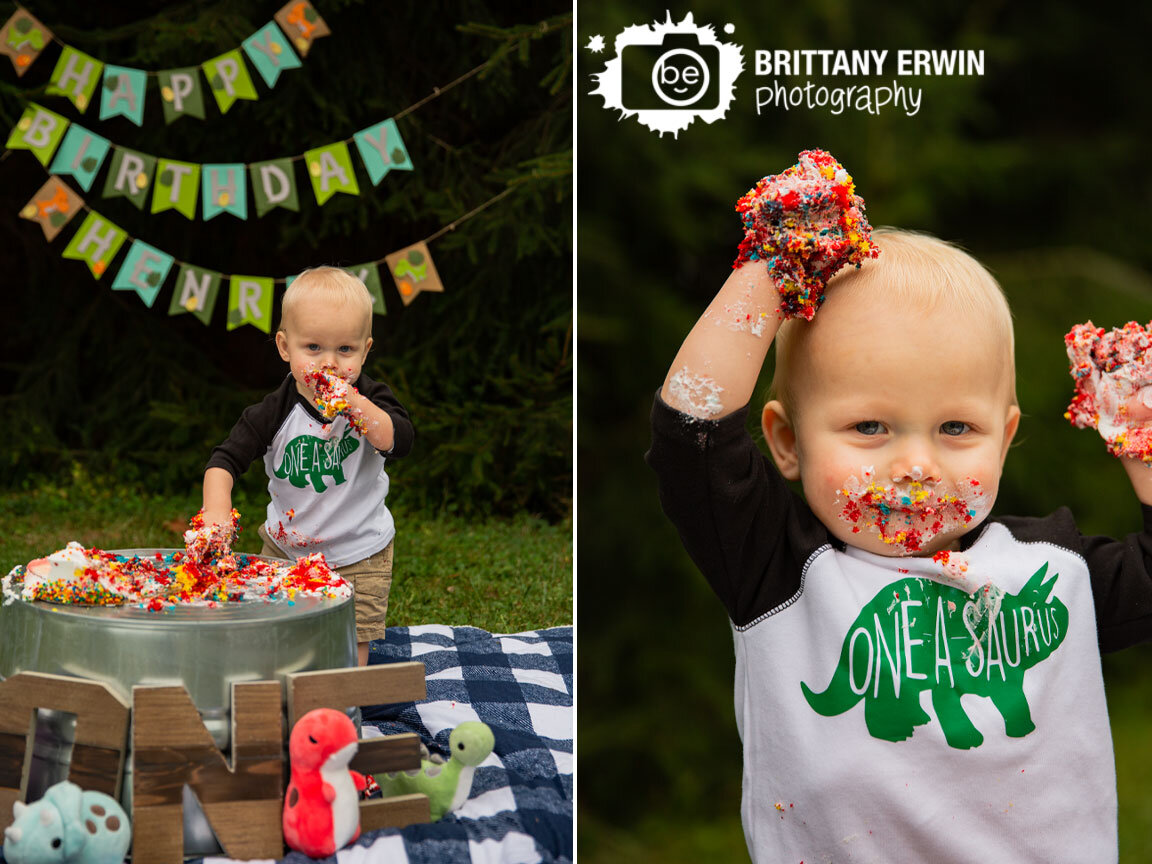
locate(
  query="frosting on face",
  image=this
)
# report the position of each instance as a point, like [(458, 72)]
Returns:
[(1112, 371), (805, 223), (908, 515)]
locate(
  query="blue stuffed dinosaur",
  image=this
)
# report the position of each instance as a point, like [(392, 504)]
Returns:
[(68, 826)]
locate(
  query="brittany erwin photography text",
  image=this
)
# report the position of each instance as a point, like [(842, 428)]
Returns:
[(786, 93)]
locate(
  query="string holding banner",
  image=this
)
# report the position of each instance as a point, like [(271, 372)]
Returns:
[(274, 48)]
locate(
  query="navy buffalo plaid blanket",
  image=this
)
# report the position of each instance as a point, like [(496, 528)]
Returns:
[(520, 807)]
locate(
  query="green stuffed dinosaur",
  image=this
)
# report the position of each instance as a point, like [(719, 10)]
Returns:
[(446, 784)]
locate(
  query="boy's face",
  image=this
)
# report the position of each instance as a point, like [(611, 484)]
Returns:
[(903, 422), (318, 335)]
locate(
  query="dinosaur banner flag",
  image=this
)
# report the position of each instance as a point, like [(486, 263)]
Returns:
[(81, 154), (52, 207), (22, 39), (413, 271), (75, 76), (229, 79), (196, 291), (177, 187), (250, 302), (38, 130), (302, 24), (270, 52), (382, 150), (224, 191), (123, 93), (181, 94), (331, 171), (144, 270), (96, 243), (274, 185), (130, 176)]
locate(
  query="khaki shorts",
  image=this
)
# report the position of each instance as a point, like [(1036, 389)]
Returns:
[(371, 580)]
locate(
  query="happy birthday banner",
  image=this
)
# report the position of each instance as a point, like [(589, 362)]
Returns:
[(223, 188), (122, 89), (145, 268)]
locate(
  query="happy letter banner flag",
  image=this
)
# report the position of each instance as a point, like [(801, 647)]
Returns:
[(413, 271), (270, 52), (181, 93), (330, 168), (302, 24), (130, 175), (196, 290), (229, 79), (52, 207), (96, 243), (382, 150), (81, 154), (224, 191), (250, 302), (75, 76), (22, 39), (274, 185), (123, 93), (144, 270), (38, 130), (177, 187)]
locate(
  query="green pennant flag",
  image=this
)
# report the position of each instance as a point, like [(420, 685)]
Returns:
[(144, 270), (75, 76), (196, 291), (129, 175), (177, 187), (250, 302), (369, 274), (96, 243), (274, 185), (181, 93), (38, 130), (331, 171), (229, 79)]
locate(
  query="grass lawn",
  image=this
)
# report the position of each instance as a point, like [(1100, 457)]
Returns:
[(502, 575)]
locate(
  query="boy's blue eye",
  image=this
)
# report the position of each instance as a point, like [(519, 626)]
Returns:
[(954, 427), (345, 349), (312, 346), (870, 427)]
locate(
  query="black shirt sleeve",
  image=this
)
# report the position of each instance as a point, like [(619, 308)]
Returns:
[(1121, 572), (252, 435), (381, 396), (740, 522)]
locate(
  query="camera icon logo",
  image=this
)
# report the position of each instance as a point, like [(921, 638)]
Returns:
[(668, 74)]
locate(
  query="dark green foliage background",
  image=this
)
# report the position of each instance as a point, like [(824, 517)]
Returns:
[(89, 376), (1039, 167)]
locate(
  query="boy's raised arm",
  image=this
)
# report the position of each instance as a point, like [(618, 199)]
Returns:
[(716, 368)]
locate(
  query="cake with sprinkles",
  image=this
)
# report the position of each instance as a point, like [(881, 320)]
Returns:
[(206, 573), (332, 398), (1112, 371), (805, 224)]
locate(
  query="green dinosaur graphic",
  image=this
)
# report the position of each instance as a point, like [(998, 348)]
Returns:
[(308, 459), (917, 635)]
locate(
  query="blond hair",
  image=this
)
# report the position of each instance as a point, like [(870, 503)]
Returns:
[(914, 270), (334, 285)]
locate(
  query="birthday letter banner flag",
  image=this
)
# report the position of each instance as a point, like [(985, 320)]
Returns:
[(196, 290), (224, 191), (123, 94), (96, 243), (130, 176), (52, 207), (144, 270), (177, 187), (22, 39), (331, 171), (81, 154), (270, 52), (274, 185), (382, 150), (38, 130), (75, 76)]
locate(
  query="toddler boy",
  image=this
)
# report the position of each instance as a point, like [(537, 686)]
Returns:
[(326, 476), (915, 682)]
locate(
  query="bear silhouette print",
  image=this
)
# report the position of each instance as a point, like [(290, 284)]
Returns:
[(916, 635)]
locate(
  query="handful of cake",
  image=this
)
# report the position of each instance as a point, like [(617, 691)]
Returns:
[(1113, 375), (205, 573), (805, 223)]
